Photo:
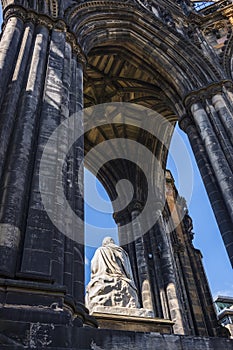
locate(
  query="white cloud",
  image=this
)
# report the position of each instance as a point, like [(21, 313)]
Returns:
[(87, 261)]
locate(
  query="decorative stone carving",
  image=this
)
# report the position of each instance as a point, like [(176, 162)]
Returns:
[(145, 3), (112, 281), (119, 310), (48, 22)]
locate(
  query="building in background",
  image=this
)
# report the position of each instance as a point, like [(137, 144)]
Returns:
[(224, 309)]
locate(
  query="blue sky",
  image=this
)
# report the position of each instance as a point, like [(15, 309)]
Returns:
[(207, 235)]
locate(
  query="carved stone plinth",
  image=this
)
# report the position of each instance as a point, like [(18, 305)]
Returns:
[(138, 320), (119, 310)]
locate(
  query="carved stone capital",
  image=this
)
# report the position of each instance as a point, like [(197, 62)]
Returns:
[(136, 205), (122, 216), (15, 11), (47, 21), (185, 121), (44, 21), (206, 92), (71, 38)]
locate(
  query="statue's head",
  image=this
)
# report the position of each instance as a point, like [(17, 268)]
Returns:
[(107, 241)]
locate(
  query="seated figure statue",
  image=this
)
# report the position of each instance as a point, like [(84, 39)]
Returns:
[(112, 281)]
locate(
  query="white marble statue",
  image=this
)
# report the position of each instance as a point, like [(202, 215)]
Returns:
[(112, 281)]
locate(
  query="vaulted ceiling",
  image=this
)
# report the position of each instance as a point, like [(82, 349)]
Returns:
[(113, 74)]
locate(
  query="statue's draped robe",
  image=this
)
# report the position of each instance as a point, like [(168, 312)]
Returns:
[(112, 281)]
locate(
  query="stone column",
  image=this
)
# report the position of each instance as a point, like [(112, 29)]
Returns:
[(171, 305), (225, 115), (9, 48), (132, 241), (142, 267), (42, 241), (219, 129), (61, 256), (213, 167), (15, 180), (78, 181), (216, 156), (123, 220), (42, 270), (15, 86), (157, 285)]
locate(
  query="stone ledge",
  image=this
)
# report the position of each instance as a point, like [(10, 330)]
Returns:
[(119, 310), (133, 323)]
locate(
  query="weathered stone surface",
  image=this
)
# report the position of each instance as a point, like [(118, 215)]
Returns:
[(139, 52), (105, 339), (139, 312), (35, 336), (133, 322)]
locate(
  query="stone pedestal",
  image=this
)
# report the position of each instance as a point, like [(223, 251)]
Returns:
[(137, 320)]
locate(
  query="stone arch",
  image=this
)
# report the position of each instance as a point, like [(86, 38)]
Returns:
[(48, 7), (173, 77), (164, 48), (187, 72)]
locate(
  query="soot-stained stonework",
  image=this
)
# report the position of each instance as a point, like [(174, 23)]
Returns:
[(57, 57)]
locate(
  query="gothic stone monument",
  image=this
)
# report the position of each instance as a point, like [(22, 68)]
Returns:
[(56, 57)]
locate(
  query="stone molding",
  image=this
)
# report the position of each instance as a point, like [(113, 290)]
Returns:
[(206, 92), (42, 290), (121, 216), (47, 21), (185, 121), (125, 214), (116, 321), (136, 205), (93, 4), (125, 311)]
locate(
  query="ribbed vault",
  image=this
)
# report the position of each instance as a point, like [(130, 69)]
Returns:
[(180, 63), (117, 74), (132, 56), (122, 66)]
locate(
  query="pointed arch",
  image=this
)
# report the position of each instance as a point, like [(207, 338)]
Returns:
[(171, 54)]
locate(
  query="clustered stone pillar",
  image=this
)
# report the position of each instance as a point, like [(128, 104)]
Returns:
[(10, 234), (171, 303), (41, 86), (16, 175), (143, 274), (209, 128), (132, 241), (144, 261)]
